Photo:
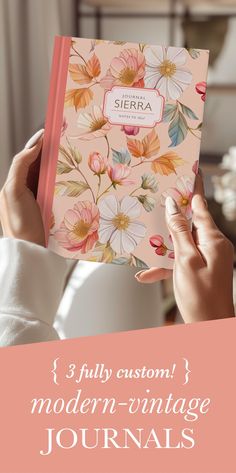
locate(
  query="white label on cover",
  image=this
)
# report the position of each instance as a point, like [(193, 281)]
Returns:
[(133, 106)]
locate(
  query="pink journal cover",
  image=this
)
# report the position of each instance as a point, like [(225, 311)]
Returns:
[(122, 132)]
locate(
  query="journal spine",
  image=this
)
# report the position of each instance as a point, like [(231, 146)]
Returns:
[(54, 120)]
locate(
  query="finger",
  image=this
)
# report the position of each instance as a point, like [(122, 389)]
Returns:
[(153, 275), (21, 163), (201, 215), (199, 185), (179, 229), (33, 175), (202, 219), (34, 139)]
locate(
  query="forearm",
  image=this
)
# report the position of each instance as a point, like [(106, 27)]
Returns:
[(31, 285)]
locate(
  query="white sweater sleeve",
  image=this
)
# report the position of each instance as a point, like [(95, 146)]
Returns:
[(31, 285)]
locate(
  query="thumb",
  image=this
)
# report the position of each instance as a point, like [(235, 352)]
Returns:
[(21, 163), (179, 229)]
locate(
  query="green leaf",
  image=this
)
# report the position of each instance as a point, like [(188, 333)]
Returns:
[(75, 154), (63, 168), (169, 112), (139, 263), (188, 112), (106, 253), (178, 130), (121, 260), (194, 53), (199, 127), (70, 188), (99, 246), (121, 157), (66, 155)]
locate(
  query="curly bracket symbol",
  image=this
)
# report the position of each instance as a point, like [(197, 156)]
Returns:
[(187, 371), (54, 371)]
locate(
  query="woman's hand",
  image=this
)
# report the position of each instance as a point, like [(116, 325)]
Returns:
[(203, 269), (19, 212)]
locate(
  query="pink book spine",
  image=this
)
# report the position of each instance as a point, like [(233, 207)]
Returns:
[(54, 120)]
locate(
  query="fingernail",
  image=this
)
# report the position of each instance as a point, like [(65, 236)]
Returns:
[(137, 275), (34, 139), (171, 206)]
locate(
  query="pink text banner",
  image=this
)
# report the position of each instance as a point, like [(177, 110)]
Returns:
[(149, 401)]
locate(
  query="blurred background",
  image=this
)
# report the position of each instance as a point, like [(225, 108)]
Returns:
[(27, 29)]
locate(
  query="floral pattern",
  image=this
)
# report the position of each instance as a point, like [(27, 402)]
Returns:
[(126, 70), (79, 229), (118, 174), (97, 163), (165, 71), (118, 224), (182, 193), (130, 130), (112, 180), (94, 124), (161, 248), (201, 89)]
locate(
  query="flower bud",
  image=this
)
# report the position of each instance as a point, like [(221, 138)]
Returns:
[(157, 242), (149, 182), (147, 202), (97, 163)]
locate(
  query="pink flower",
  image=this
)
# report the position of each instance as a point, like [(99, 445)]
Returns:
[(79, 229), (127, 70), (97, 163), (157, 241), (201, 89), (130, 130), (118, 174), (64, 126), (195, 167), (182, 194)]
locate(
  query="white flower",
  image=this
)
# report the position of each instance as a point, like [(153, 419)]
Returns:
[(94, 124), (164, 71), (118, 224)]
